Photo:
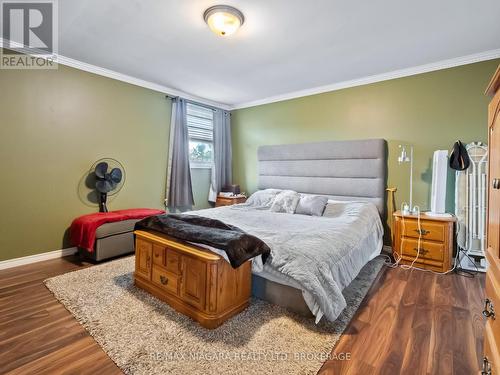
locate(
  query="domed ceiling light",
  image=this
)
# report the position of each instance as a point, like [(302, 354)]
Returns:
[(223, 20)]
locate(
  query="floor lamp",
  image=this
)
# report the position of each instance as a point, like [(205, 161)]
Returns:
[(404, 158)]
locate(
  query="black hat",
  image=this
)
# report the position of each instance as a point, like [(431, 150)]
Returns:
[(459, 158)]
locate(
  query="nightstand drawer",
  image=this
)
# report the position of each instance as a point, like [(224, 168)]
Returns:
[(428, 250), (430, 230)]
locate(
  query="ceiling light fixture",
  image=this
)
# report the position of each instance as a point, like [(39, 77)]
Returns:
[(223, 19)]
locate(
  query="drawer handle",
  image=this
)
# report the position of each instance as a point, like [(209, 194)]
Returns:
[(422, 232), (422, 250), (496, 183), (489, 310), (486, 367), (163, 280), (148, 262)]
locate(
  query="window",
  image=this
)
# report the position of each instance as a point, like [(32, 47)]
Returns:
[(200, 122)]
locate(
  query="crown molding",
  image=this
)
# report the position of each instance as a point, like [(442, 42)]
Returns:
[(444, 64), (80, 65), (137, 81)]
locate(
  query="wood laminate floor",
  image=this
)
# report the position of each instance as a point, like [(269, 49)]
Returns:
[(414, 322), (409, 323)]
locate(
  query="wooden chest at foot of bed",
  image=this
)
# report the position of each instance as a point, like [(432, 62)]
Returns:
[(192, 280)]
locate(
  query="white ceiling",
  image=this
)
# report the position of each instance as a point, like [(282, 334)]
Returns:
[(284, 45)]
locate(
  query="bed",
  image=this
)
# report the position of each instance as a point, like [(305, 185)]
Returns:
[(310, 259), (343, 170), (350, 173)]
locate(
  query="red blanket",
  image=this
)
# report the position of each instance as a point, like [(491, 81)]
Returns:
[(83, 229)]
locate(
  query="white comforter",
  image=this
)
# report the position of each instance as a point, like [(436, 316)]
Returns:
[(322, 254)]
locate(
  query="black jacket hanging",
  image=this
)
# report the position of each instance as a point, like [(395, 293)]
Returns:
[(459, 158)]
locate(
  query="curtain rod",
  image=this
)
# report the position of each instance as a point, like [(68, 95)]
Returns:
[(196, 103)]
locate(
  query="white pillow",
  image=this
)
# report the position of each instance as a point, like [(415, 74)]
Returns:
[(286, 201), (263, 198), (334, 209), (312, 205)]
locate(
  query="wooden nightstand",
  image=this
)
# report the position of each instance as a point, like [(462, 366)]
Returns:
[(229, 201), (436, 244)]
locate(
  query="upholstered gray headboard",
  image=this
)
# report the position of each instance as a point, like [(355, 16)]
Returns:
[(342, 170)]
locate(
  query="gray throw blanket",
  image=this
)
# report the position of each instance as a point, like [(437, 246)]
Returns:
[(238, 245)]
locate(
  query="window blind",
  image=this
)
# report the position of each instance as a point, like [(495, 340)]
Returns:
[(200, 122)]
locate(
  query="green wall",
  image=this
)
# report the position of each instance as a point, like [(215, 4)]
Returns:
[(429, 111), (54, 125)]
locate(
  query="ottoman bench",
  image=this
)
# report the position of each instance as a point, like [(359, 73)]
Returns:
[(106, 235), (112, 240)]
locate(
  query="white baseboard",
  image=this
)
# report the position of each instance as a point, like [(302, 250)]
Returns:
[(9, 263)]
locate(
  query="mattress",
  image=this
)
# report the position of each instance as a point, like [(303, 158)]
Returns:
[(319, 256), (373, 244)]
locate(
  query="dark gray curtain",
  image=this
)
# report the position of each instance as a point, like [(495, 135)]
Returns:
[(179, 188), (222, 170)]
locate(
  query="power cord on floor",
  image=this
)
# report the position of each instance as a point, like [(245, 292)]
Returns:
[(460, 271), (463, 272)]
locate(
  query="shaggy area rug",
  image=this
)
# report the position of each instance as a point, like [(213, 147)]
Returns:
[(143, 335)]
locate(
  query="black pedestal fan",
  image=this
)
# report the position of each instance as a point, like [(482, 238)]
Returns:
[(109, 176)]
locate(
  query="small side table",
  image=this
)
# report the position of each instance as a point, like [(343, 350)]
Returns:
[(436, 240), (229, 201)]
